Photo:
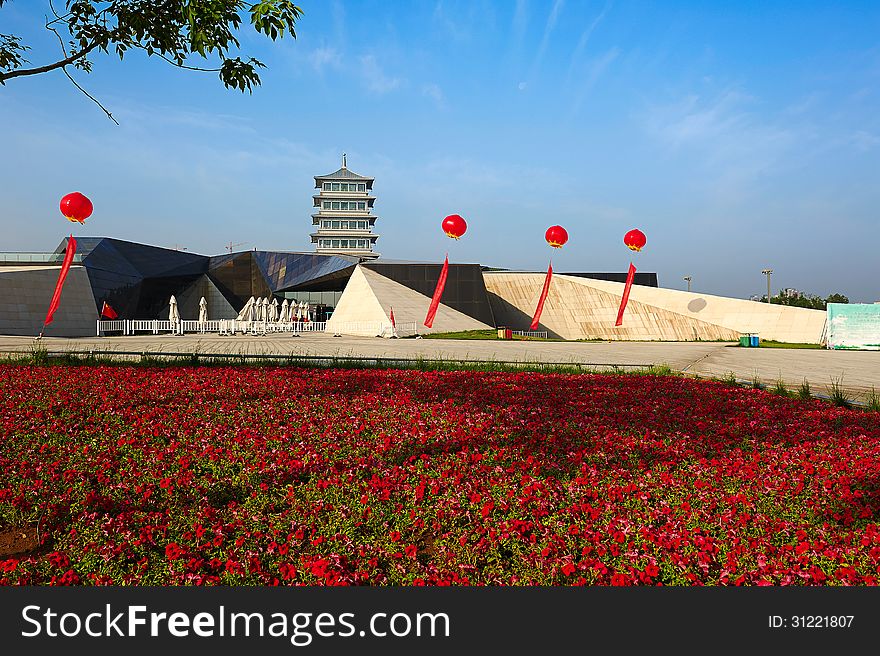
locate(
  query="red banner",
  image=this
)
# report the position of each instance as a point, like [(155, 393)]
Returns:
[(65, 267), (544, 292), (438, 292), (629, 284), (107, 311), (393, 325)]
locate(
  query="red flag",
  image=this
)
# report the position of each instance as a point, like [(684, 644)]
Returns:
[(438, 292), (107, 311), (544, 292), (393, 325), (65, 267), (629, 284)]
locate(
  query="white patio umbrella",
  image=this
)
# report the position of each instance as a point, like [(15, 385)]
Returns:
[(284, 315), (203, 310), (246, 313), (273, 310), (173, 314)]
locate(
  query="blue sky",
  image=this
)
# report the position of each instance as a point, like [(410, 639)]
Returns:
[(735, 135)]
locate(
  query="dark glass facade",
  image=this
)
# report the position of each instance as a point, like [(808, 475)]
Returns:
[(644, 279), (238, 277), (137, 280), (306, 271)]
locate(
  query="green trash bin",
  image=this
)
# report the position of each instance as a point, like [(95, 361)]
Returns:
[(754, 340), (743, 340)]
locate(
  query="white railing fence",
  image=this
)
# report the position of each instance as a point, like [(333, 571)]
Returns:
[(406, 329), (214, 326), (531, 333), (115, 326), (374, 328)]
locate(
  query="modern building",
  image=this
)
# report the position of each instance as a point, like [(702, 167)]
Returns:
[(355, 295), (348, 286), (344, 219)]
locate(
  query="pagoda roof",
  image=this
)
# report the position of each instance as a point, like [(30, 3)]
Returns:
[(343, 174)]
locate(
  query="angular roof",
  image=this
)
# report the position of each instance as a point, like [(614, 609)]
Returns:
[(343, 174)]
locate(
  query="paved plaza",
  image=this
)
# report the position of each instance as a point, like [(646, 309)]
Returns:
[(858, 371)]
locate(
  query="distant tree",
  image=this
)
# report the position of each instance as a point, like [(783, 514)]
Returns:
[(810, 301), (172, 30)]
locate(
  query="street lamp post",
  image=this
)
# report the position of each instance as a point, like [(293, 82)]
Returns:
[(688, 279), (768, 273)]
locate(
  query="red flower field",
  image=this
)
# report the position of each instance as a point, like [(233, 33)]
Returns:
[(266, 476)]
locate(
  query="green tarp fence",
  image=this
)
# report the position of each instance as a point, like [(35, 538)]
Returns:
[(853, 326)]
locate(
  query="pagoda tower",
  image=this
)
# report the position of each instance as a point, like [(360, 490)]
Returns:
[(344, 220)]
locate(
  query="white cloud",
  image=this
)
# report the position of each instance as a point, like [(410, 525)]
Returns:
[(324, 57), (434, 92), (864, 141), (520, 20), (596, 69), (735, 146), (375, 78), (548, 31), (454, 30), (585, 38), (522, 86)]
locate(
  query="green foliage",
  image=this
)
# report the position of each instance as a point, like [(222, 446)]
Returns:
[(769, 343), (660, 370), (809, 301), (490, 333), (872, 400), (173, 30), (780, 388), (39, 354), (11, 53), (804, 393), (838, 395), (464, 334)]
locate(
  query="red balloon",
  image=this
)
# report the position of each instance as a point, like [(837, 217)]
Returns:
[(635, 240), (454, 226), (556, 236), (76, 207)]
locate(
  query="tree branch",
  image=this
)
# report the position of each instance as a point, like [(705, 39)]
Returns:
[(69, 77), (50, 67), (90, 96), (155, 53)]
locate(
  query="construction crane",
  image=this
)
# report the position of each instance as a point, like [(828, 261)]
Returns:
[(230, 246)]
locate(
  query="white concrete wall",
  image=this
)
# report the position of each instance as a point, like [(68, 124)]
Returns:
[(583, 308), (369, 297)]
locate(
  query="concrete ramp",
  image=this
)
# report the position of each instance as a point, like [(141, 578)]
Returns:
[(369, 297), (584, 308)]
